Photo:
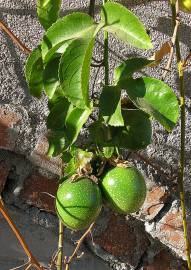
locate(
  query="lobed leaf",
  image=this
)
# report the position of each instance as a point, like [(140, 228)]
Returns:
[(121, 22), (48, 12), (155, 98)]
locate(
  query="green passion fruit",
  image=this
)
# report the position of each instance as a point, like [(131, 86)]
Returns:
[(124, 189), (78, 203)]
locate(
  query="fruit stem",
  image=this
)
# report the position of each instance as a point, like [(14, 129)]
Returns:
[(106, 54), (60, 246), (79, 242), (15, 39), (175, 11), (32, 260)]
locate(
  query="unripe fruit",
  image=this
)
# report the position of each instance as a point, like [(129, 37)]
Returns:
[(185, 5), (124, 189), (78, 203)]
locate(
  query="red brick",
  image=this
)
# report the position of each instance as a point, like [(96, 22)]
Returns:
[(124, 240), (170, 231), (165, 261), (4, 171), (33, 190), (39, 157), (154, 202), (8, 119)]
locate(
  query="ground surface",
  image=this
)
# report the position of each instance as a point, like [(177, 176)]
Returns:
[(42, 242)]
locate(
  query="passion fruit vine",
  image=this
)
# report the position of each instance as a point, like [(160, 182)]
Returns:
[(124, 189), (78, 203)]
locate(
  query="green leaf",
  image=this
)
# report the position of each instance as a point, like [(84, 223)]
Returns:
[(100, 133), (57, 143), (75, 120), (69, 27), (128, 67), (57, 116), (125, 25), (108, 151), (74, 72), (71, 167), (34, 72), (136, 133), (50, 77), (48, 11), (155, 98), (110, 105)]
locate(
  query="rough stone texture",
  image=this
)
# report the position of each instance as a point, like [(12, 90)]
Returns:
[(22, 130), (39, 158), (4, 171), (123, 240)]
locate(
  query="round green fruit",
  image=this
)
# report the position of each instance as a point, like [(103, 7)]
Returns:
[(78, 203), (185, 5), (124, 189)]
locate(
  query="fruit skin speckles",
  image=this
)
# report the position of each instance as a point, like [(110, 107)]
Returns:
[(78, 203), (124, 189)]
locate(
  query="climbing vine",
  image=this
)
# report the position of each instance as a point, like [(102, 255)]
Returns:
[(60, 67)]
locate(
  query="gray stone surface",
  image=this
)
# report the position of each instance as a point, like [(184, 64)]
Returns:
[(42, 242)]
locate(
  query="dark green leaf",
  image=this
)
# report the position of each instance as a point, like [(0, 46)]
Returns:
[(136, 133), (71, 167), (57, 143), (75, 120), (100, 134), (125, 25), (108, 151), (56, 97), (110, 105), (57, 116), (50, 77), (128, 67), (155, 98), (34, 72), (48, 11), (69, 27), (74, 71)]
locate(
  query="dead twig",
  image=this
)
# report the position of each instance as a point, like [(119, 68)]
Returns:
[(15, 39), (32, 259), (173, 41), (79, 242)]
